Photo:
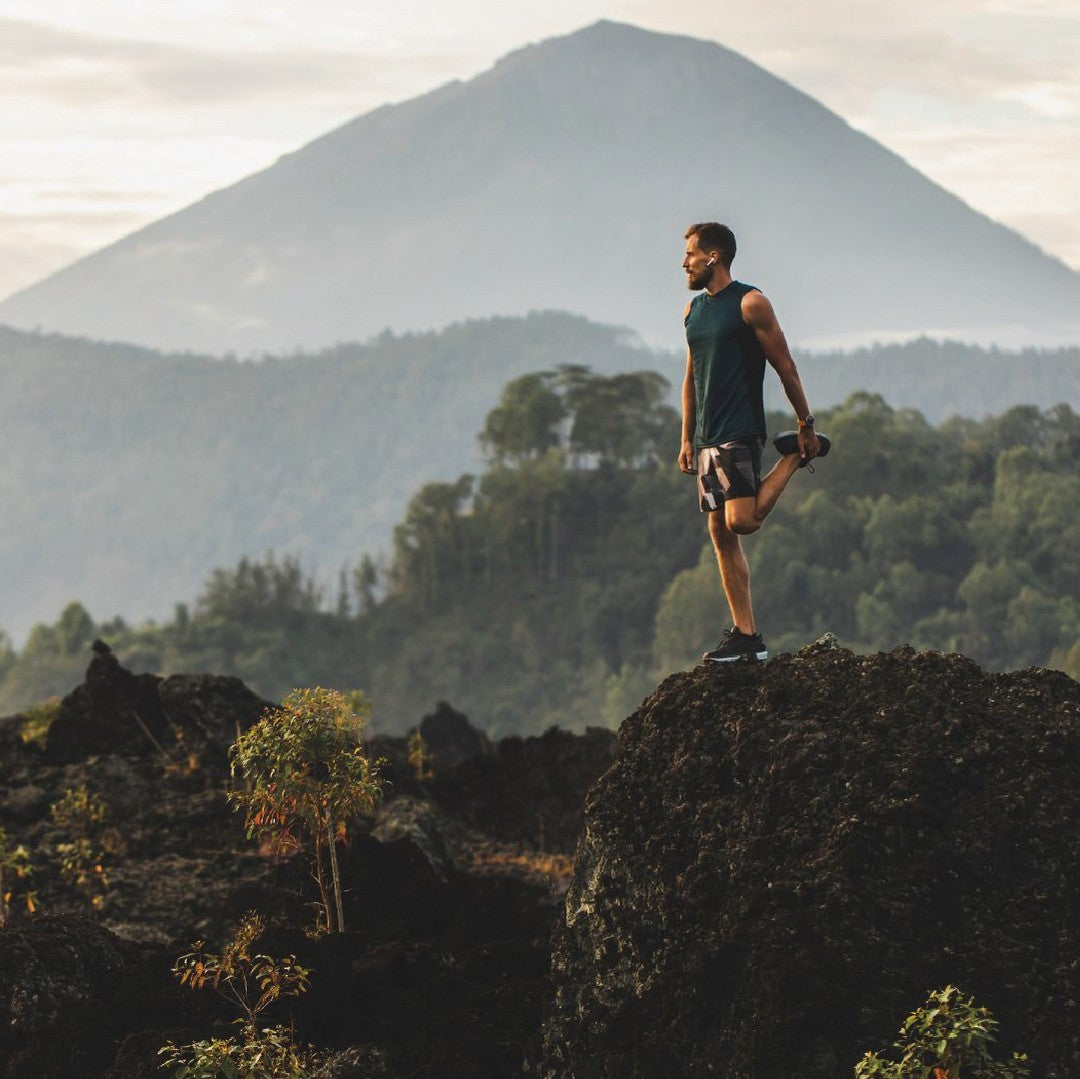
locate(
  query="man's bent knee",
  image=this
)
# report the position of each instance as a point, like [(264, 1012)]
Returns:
[(740, 516)]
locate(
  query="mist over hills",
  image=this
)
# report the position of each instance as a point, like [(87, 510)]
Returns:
[(130, 473), (564, 178)]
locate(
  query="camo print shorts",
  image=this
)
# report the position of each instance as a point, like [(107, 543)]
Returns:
[(730, 470)]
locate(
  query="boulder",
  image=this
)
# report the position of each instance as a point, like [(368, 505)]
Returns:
[(117, 712), (529, 790), (112, 711), (69, 989), (451, 738), (784, 857)]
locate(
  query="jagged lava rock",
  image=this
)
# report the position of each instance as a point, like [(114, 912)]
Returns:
[(451, 738), (784, 858), (115, 711), (530, 789), (68, 989)]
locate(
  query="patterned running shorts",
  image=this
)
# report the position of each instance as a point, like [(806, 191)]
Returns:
[(730, 470)]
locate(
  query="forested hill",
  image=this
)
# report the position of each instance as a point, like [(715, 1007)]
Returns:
[(129, 473), (562, 582)]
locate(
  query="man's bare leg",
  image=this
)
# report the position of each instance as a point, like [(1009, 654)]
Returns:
[(734, 572), (745, 515)]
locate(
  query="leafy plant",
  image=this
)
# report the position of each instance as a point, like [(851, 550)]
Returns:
[(83, 863), (14, 868), (250, 981), (947, 1038), (267, 1053), (38, 720), (420, 757), (308, 775)]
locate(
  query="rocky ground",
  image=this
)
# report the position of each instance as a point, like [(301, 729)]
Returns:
[(783, 859), (773, 866), (451, 890)]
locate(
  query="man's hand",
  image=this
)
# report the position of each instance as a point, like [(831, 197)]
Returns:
[(808, 443), (686, 458)]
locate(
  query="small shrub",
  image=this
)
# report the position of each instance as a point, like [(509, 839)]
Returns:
[(15, 869), (266, 1053), (420, 757), (38, 720), (947, 1038), (307, 776), (250, 981), (82, 855)]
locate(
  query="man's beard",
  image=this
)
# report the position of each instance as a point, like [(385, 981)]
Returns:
[(695, 282)]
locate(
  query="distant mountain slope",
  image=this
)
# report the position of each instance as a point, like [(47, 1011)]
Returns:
[(129, 474), (564, 178)]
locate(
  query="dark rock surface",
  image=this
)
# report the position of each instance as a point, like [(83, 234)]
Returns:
[(451, 739), (529, 788), (442, 971), (783, 859), (115, 711), (68, 989)]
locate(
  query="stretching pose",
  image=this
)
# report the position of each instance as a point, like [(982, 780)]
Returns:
[(731, 331)]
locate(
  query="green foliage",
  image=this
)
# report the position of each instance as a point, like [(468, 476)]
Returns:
[(419, 757), (15, 870), (947, 1038), (251, 981), (82, 816), (262, 1053), (307, 776), (37, 721), (524, 424), (574, 572)]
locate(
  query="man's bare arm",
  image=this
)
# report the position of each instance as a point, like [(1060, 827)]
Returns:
[(689, 405), (758, 313)]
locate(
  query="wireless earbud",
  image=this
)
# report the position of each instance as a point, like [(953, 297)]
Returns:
[(710, 262)]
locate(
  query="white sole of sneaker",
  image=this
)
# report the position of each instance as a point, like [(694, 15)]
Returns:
[(749, 657)]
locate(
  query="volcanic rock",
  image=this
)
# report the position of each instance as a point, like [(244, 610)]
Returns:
[(529, 789), (783, 858), (451, 738), (115, 711), (68, 987)]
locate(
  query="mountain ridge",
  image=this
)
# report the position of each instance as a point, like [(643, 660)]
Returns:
[(563, 177)]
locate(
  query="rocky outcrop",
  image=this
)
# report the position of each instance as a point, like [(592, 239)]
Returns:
[(68, 987), (530, 789), (115, 711), (782, 859), (451, 738), (442, 971)]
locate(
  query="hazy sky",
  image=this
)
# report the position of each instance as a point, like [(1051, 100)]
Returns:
[(120, 111)]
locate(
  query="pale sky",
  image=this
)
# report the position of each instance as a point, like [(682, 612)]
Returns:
[(120, 111)]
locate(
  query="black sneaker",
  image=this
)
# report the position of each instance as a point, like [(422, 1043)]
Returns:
[(735, 646), (788, 442)]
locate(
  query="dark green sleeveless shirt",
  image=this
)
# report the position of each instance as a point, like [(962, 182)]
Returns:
[(729, 368)]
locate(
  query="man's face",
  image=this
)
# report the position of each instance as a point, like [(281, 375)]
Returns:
[(696, 265)]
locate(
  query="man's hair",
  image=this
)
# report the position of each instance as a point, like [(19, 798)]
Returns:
[(712, 236)]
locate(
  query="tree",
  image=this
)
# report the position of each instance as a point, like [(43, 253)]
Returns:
[(255, 589), (525, 423), (309, 776)]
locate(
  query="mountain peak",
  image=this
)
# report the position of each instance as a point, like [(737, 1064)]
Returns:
[(563, 178)]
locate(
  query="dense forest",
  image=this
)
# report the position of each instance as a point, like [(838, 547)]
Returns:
[(559, 583), (129, 473)]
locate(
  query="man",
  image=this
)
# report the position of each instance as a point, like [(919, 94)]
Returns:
[(731, 331)]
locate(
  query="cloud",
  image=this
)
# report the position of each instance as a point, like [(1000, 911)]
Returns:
[(79, 69)]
